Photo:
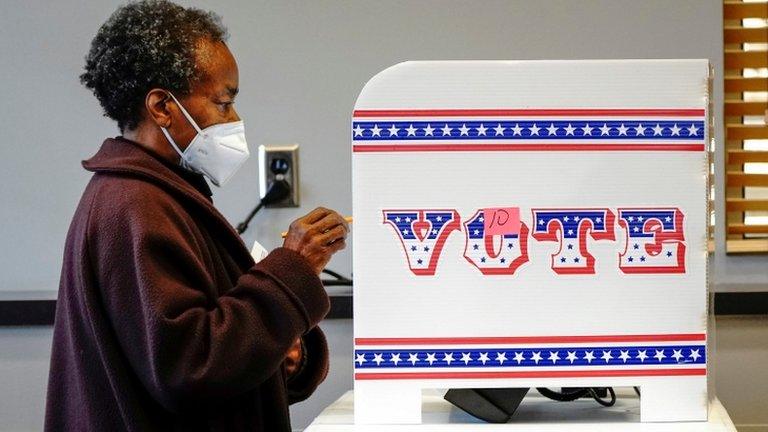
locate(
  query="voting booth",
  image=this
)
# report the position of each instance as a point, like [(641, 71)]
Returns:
[(531, 224)]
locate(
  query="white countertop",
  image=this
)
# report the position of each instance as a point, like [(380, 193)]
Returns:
[(535, 414)]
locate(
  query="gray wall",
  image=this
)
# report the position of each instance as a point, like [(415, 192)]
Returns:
[(301, 66)]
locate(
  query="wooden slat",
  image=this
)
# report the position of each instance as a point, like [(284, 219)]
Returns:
[(741, 84), (738, 107), (742, 132), (737, 10), (742, 34), (745, 204), (748, 229), (740, 179), (746, 246), (738, 59), (736, 157)]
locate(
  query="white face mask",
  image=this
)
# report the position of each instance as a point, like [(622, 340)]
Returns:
[(217, 151)]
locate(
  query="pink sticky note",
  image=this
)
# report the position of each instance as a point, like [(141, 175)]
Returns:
[(502, 220)]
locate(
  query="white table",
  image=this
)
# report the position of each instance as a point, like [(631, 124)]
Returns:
[(535, 414)]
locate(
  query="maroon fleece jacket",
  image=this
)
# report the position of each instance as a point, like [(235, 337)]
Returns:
[(164, 322)]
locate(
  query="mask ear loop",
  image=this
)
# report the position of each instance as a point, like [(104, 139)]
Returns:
[(186, 114), (191, 121)]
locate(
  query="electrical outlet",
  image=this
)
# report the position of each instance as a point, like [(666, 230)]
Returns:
[(276, 161)]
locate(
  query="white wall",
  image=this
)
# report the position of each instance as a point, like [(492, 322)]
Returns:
[(301, 66)]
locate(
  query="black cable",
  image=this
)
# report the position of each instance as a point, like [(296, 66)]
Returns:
[(277, 191), (579, 393), (603, 402)]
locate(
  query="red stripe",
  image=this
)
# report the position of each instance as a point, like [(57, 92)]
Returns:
[(379, 148), (529, 112), (530, 374), (532, 339)]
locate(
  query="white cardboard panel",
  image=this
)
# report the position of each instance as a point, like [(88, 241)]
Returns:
[(614, 299)]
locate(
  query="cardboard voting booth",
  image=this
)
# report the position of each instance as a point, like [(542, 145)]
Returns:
[(531, 224)]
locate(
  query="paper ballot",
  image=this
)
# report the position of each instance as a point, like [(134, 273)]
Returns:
[(258, 252)]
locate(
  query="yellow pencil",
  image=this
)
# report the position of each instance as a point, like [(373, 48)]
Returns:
[(347, 218)]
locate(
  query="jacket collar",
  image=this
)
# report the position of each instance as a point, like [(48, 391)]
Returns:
[(122, 157)]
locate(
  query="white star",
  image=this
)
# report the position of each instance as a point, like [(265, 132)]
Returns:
[(636, 229), (606, 356), (397, 219), (631, 218), (411, 131), (483, 357), (623, 129), (360, 359), (395, 358), (536, 357), (541, 221), (519, 357), (408, 219), (642, 355), (694, 354), (428, 130), (569, 129), (640, 218), (535, 129), (640, 129), (501, 357), (378, 359), (605, 129), (517, 130), (466, 358), (693, 130), (587, 129), (657, 130), (667, 219), (464, 129), (431, 358), (439, 218), (358, 130), (571, 356), (477, 232), (570, 232), (413, 358), (675, 130), (499, 130), (481, 130), (553, 356), (566, 218), (448, 357), (376, 131), (576, 218), (588, 356), (405, 231), (552, 129), (598, 220), (481, 219), (659, 355), (393, 130), (446, 130), (624, 356), (677, 354)]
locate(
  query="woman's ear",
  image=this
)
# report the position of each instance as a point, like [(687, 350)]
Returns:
[(157, 106)]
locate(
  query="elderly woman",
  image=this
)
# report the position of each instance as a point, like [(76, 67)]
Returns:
[(164, 322)]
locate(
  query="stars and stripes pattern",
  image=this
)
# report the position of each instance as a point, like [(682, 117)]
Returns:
[(494, 254), (528, 130), (657, 356), (571, 228), (511, 357), (655, 241), (422, 234), (518, 129)]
